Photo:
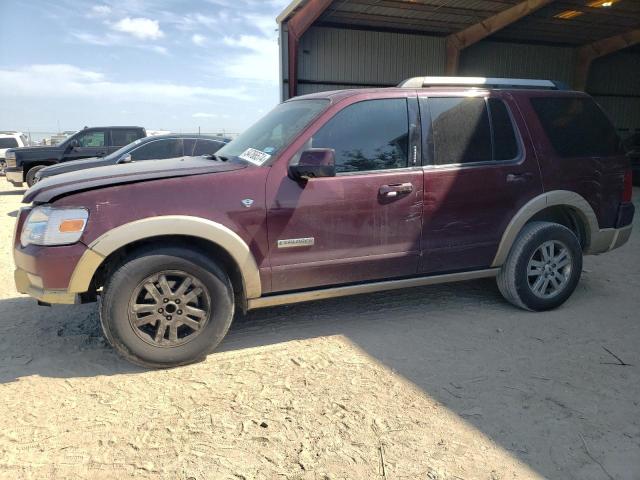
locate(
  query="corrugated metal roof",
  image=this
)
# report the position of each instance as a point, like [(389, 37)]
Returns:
[(443, 17)]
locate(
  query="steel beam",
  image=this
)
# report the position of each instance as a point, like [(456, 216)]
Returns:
[(588, 53), (296, 26), (457, 41)]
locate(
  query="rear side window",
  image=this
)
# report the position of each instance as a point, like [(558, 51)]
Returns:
[(369, 135), (206, 147), (8, 142), (461, 130), (576, 127), (120, 137)]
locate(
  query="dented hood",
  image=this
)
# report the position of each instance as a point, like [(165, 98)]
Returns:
[(60, 185)]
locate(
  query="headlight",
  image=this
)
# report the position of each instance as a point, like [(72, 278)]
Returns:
[(54, 226)]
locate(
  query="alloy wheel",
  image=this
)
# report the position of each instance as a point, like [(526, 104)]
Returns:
[(169, 309)]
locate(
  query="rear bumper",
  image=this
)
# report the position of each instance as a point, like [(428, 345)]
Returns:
[(609, 239), (14, 175)]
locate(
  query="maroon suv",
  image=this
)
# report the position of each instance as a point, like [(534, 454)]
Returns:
[(334, 194)]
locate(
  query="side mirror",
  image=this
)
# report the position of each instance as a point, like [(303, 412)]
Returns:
[(73, 144), (314, 163), (125, 158)]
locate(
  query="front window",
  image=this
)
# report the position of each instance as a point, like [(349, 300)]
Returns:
[(94, 138), (369, 135), (267, 137), (158, 149)]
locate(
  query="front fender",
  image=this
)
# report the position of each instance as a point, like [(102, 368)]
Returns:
[(145, 228)]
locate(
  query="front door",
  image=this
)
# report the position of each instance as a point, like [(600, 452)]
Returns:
[(364, 223), (91, 143), (480, 171)]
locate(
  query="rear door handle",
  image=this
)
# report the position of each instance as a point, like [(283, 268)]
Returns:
[(395, 190), (519, 177)]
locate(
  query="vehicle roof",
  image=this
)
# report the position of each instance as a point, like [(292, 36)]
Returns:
[(336, 95), (186, 135)]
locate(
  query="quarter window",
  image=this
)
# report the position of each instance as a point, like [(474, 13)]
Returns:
[(369, 135), (577, 127)]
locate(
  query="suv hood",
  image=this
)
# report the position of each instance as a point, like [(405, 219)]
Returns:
[(73, 165), (53, 187)]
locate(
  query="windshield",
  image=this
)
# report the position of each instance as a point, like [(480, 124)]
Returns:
[(273, 132)]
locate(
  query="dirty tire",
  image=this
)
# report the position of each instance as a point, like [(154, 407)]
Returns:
[(31, 174), (120, 301), (514, 277)]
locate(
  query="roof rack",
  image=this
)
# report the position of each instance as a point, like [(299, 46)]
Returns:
[(423, 82)]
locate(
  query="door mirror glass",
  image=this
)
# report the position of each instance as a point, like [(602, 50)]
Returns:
[(314, 163), (74, 143)]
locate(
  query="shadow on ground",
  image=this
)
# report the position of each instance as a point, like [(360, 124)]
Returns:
[(540, 385), (13, 192)]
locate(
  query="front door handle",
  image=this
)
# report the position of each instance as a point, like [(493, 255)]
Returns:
[(519, 177), (395, 190)]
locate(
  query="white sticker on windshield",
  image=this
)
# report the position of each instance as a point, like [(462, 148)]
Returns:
[(254, 156)]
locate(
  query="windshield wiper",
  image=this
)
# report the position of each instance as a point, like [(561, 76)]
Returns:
[(219, 158)]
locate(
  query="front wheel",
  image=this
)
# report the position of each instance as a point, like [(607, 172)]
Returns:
[(166, 307), (31, 175), (543, 267)]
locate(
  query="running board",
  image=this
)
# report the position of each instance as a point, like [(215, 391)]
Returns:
[(308, 296)]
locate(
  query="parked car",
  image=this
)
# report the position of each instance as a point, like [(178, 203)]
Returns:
[(632, 145), (334, 194), (24, 163), (10, 140), (148, 148)]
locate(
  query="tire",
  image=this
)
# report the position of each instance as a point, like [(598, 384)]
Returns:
[(31, 175), (128, 300), (537, 257)]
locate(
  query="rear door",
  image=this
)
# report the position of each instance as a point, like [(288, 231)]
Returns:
[(480, 169)]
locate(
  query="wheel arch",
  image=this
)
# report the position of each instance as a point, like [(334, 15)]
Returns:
[(212, 238), (548, 206)]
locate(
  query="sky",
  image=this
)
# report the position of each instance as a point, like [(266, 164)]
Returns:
[(161, 64)]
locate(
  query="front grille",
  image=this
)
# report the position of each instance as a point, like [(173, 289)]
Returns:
[(11, 161)]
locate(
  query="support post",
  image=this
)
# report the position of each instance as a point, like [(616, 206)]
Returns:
[(458, 41)]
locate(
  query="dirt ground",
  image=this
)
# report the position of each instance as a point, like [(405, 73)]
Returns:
[(446, 382)]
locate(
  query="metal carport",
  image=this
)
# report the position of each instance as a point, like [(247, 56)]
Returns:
[(589, 44)]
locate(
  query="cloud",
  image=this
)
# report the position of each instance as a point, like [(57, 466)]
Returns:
[(142, 28), (204, 115), (99, 11), (69, 81), (258, 63), (198, 39), (113, 39)]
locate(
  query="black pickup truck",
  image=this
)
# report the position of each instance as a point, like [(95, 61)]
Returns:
[(24, 163)]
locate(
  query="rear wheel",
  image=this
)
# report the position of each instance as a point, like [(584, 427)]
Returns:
[(31, 175), (543, 267), (167, 307)]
